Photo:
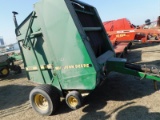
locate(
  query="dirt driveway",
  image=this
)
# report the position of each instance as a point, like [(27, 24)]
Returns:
[(121, 97)]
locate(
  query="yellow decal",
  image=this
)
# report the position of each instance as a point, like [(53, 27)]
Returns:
[(120, 35), (34, 68), (73, 66), (43, 67)]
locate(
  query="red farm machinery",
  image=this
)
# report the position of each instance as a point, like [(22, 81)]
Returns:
[(122, 33)]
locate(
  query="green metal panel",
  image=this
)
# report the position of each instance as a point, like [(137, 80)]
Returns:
[(66, 44), (60, 44), (44, 57), (63, 43)]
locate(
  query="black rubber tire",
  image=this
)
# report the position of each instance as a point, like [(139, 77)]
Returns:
[(4, 75), (50, 93), (17, 69), (78, 97)]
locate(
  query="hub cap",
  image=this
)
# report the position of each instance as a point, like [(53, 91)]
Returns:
[(72, 101), (41, 102), (4, 71)]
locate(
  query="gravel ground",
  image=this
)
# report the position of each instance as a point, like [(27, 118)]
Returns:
[(121, 97)]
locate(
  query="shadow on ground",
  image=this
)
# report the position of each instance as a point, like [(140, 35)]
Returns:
[(134, 56), (126, 87), (118, 87), (13, 95), (137, 113)]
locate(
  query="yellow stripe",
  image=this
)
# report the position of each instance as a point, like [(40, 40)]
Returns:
[(42, 67)]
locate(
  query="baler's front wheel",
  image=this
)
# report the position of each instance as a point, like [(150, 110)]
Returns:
[(74, 100), (45, 99)]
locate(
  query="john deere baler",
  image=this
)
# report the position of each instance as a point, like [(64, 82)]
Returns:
[(66, 49)]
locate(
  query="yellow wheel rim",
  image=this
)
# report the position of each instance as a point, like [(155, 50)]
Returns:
[(4, 71), (41, 102), (72, 101)]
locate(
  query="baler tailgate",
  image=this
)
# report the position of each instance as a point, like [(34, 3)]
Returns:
[(93, 28)]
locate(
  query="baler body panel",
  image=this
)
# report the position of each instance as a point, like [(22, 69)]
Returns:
[(60, 47)]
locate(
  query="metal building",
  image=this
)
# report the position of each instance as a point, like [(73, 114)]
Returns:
[(1, 40)]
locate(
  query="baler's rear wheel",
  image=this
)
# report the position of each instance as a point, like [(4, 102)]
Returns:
[(74, 100), (4, 72), (45, 99)]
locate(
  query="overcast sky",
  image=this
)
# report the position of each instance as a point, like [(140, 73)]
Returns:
[(137, 11)]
